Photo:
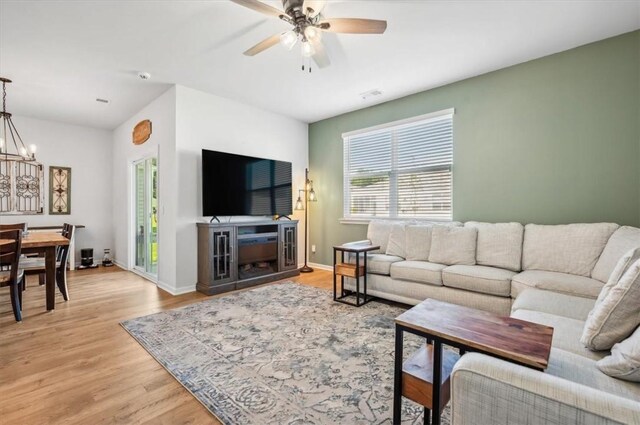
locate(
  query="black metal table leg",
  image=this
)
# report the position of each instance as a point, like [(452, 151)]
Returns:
[(335, 293), (357, 273), (397, 380), (365, 277), (437, 380), (341, 276), (427, 416)]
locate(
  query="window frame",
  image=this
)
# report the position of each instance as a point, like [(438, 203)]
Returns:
[(394, 173)]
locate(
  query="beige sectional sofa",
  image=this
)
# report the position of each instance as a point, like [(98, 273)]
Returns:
[(551, 275), (486, 390), (574, 259)]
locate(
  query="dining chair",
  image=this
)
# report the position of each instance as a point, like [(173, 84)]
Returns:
[(16, 226), (11, 275), (36, 265)]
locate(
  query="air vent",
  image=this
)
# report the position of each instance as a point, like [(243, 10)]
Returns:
[(102, 100), (369, 94)]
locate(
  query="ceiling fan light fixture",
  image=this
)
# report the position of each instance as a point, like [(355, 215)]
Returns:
[(307, 49), (312, 34), (288, 39)]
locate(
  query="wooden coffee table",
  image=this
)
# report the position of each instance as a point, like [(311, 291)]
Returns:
[(517, 341)]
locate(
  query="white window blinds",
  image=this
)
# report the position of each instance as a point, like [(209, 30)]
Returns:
[(400, 170)]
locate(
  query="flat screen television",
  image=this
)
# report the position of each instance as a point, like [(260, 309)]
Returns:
[(243, 185)]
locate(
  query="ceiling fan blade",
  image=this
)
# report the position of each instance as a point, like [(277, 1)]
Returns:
[(263, 45), (260, 7), (353, 25), (320, 57), (315, 5)]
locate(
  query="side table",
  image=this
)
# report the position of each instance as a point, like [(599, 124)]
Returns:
[(425, 377), (355, 271)]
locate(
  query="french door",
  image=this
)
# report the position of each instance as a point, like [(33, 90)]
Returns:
[(146, 216)]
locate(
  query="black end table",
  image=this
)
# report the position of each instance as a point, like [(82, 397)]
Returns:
[(355, 271)]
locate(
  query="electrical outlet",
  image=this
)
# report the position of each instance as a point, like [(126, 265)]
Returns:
[(313, 249)]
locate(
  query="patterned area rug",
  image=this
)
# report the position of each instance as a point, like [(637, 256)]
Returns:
[(282, 354)]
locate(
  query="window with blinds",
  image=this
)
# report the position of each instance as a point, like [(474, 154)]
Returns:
[(400, 170)]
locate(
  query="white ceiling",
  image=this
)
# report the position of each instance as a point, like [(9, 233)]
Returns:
[(63, 55)]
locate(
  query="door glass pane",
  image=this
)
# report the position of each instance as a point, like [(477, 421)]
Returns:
[(153, 208), (140, 214)]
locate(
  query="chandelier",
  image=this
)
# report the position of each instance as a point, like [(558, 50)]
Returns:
[(9, 137)]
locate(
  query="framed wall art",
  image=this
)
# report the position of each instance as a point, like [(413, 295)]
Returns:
[(21, 187), (59, 190)]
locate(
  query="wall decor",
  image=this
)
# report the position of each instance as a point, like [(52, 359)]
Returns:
[(21, 187), (59, 190), (141, 132)]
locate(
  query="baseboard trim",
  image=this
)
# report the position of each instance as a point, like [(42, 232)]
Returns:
[(321, 267), (173, 290), (119, 264)]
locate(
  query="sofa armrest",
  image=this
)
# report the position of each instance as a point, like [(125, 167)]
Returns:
[(486, 390)]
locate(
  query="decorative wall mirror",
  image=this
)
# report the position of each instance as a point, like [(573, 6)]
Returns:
[(21, 187)]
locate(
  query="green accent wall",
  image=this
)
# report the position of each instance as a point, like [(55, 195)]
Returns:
[(554, 140)]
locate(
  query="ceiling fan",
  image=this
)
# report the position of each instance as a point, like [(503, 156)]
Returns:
[(308, 25)]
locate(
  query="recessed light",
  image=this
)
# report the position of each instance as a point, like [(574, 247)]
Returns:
[(144, 75), (102, 100)]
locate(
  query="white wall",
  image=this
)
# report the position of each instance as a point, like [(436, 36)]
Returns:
[(205, 121), (88, 152), (162, 113), (185, 121)]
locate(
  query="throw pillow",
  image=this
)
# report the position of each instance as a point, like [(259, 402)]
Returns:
[(624, 361), (378, 233), (418, 242), (453, 245), (396, 244), (620, 269), (617, 315)]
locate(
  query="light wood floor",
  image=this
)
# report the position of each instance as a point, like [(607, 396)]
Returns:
[(76, 365)]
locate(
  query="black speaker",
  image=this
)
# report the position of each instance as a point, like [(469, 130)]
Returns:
[(86, 257)]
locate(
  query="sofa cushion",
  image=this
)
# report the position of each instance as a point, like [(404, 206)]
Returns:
[(583, 370), (418, 242), (453, 245), (567, 248), (557, 282), (624, 361), (483, 279), (622, 241), (566, 332), (617, 315), (396, 243), (437, 223), (378, 233), (418, 271), (499, 244), (377, 263), (553, 303)]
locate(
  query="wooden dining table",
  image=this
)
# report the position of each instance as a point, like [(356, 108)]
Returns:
[(46, 243)]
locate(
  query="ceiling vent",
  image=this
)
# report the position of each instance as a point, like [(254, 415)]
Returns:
[(369, 94)]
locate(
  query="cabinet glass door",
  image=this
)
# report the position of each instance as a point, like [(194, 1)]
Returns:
[(288, 237), (146, 216)]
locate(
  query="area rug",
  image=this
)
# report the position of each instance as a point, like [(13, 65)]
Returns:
[(282, 354)]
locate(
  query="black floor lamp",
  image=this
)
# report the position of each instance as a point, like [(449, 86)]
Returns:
[(309, 196)]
